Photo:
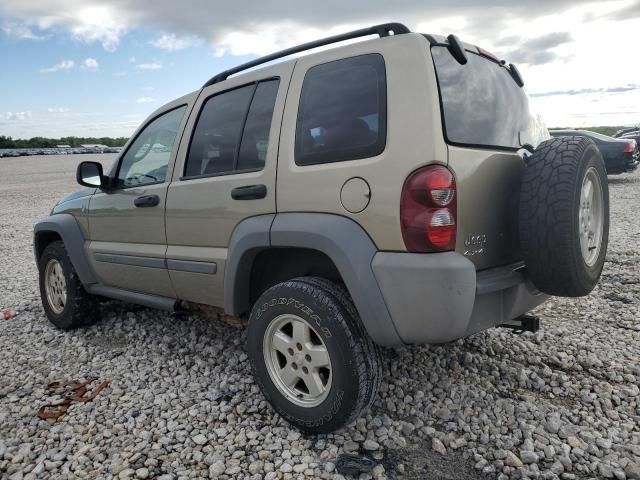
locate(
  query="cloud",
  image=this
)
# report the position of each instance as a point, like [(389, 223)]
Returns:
[(581, 91), (21, 31), (17, 116), (63, 65), (547, 41), (171, 42), (90, 64), (534, 51), (145, 100), (627, 13), (97, 24), (149, 66), (99, 21), (57, 110)]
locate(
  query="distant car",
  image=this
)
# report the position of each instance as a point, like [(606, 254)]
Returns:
[(633, 135), (620, 155), (624, 131)]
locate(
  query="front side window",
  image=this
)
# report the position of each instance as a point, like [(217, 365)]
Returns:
[(232, 131), (482, 104), (147, 160), (343, 111)]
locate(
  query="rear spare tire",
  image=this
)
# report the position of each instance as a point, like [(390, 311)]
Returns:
[(564, 216)]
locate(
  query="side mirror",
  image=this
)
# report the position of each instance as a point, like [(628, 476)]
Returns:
[(89, 174)]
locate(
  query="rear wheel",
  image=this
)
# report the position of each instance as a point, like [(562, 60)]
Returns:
[(310, 355), (66, 303), (564, 216)]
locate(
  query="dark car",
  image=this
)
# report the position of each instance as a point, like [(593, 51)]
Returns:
[(620, 154), (633, 135), (625, 131)]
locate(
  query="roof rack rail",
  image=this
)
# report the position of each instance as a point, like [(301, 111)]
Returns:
[(383, 30)]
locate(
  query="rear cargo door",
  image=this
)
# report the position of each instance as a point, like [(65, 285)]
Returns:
[(486, 120)]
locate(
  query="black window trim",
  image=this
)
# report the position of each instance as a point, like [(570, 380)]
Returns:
[(236, 154), (474, 146), (383, 145), (174, 152)]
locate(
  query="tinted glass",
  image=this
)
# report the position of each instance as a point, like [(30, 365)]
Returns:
[(343, 111), (482, 104), (255, 136), (147, 159), (217, 133)]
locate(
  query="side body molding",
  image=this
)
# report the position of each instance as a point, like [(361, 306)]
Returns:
[(352, 251), (66, 226)]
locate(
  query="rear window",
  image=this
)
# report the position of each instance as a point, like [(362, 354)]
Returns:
[(481, 103)]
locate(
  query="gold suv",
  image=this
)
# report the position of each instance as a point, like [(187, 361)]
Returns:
[(393, 191)]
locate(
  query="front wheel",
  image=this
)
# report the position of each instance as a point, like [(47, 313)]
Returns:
[(64, 299), (310, 355)]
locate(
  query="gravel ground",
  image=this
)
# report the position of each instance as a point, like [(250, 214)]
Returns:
[(563, 403)]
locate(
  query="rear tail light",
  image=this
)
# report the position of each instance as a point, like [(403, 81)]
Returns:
[(428, 209), (631, 146)]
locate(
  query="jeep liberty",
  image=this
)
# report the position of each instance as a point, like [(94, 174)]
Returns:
[(395, 191)]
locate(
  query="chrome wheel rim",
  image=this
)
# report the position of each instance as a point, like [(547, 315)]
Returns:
[(297, 360), (55, 286), (591, 217)]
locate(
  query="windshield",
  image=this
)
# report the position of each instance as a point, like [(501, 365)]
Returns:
[(482, 105)]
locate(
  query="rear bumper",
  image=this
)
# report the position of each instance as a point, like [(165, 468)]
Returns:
[(439, 297), (627, 162)]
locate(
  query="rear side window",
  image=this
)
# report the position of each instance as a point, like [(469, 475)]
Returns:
[(482, 105), (232, 131), (255, 137), (343, 111)]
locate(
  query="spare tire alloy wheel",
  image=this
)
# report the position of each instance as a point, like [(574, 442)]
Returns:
[(311, 356), (591, 219)]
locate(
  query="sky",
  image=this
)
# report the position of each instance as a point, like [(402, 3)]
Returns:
[(99, 68)]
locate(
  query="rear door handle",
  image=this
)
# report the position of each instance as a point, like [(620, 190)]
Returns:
[(249, 192), (147, 201)]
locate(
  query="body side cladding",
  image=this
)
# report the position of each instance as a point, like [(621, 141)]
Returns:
[(66, 226), (352, 251), (339, 238), (191, 266), (249, 237)]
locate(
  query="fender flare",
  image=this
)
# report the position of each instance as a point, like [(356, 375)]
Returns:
[(249, 238), (67, 227), (341, 239)]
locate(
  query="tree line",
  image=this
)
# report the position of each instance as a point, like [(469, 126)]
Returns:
[(42, 142)]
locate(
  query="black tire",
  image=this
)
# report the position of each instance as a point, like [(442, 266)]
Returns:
[(549, 211), (374, 353), (81, 308), (355, 359)]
